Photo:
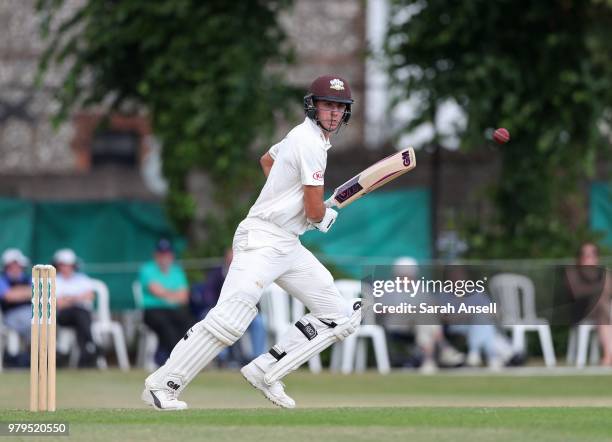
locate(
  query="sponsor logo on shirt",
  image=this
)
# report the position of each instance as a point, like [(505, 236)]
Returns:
[(318, 175)]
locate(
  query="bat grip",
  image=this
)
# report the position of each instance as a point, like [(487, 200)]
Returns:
[(329, 202)]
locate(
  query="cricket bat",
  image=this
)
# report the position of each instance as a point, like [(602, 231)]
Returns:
[(372, 178)]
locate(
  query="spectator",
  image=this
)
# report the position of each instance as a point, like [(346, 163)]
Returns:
[(165, 293), (428, 332), (590, 286), (204, 296), (15, 295), (75, 297), (480, 330)]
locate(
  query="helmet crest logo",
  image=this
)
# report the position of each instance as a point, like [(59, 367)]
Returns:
[(336, 84)]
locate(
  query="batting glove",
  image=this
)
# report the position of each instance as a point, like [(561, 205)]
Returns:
[(328, 220)]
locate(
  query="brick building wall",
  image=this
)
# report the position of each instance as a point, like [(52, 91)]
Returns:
[(329, 38), (28, 143), (38, 161)]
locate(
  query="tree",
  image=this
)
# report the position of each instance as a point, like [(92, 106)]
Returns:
[(543, 70), (206, 72)]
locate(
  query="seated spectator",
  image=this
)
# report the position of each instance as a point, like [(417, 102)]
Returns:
[(16, 296), (165, 293), (480, 330), (428, 332), (590, 286), (75, 297), (205, 295)]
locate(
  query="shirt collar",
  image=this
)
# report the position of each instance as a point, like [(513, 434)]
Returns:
[(315, 127)]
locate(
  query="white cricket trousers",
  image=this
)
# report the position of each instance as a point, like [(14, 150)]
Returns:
[(261, 258)]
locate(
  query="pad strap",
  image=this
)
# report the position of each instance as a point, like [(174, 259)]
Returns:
[(312, 337)]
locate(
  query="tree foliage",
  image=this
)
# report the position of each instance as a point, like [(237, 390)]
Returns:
[(543, 70), (205, 71)]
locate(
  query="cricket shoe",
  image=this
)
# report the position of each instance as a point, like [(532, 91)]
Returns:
[(275, 392), (162, 400)]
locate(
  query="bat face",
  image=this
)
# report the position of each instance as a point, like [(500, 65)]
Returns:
[(373, 177), (347, 190)]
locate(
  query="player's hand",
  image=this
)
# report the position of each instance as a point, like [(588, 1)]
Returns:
[(329, 202), (328, 220), (347, 326), (344, 330)]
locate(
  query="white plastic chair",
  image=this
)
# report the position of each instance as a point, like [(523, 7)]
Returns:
[(275, 306), (67, 339), (515, 295), (279, 311), (10, 341), (103, 325), (582, 338), (147, 341), (351, 354), (67, 344)]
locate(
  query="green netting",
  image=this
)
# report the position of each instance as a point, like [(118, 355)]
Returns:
[(16, 221), (118, 236), (601, 210), (383, 224), (99, 232)]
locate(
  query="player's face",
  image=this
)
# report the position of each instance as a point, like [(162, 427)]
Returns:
[(330, 114)]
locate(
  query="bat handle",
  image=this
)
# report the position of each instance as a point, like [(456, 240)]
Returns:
[(329, 202)]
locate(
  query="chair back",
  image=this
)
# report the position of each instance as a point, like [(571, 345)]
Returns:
[(137, 293), (275, 304), (102, 301), (515, 295), (354, 288), (349, 288), (297, 309)]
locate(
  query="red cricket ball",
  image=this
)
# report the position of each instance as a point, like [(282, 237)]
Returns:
[(501, 135)]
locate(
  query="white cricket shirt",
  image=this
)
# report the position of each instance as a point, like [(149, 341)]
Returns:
[(76, 285), (299, 159)]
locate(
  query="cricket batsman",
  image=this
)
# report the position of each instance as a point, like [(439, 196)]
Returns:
[(267, 249)]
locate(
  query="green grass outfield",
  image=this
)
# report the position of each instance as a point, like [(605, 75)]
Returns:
[(401, 406)]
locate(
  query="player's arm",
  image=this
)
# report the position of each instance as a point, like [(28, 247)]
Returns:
[(319, 216), (266, 161), (313, 203)]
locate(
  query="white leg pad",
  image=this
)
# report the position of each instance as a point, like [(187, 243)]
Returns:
[(223, 326), (229, 320), (309, 337)]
